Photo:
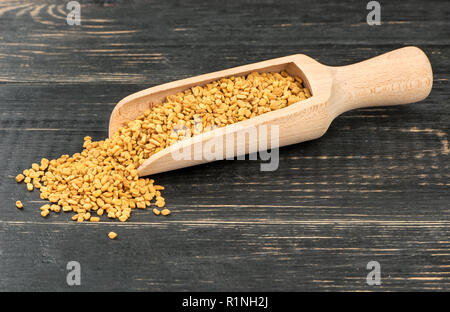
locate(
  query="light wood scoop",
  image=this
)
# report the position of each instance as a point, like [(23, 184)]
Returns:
[(398, 77)]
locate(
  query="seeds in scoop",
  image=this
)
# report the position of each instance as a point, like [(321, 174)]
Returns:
[(112, 235), (19, 204), (103, 177)]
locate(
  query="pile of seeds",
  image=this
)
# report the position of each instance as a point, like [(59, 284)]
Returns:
[(103, 178)]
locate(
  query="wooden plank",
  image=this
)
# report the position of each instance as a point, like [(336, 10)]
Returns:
[(169, 255), (375, 187)]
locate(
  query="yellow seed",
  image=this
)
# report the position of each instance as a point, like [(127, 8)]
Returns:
[(29, 187), (160, 203), (19, 178), (140, 205), (100, 202), (112, 235), (94, 219), (44, 164), (123, 218), (156, 211), (53, 198), (44, 213), (19, 204), (87, 207), (165, 212)]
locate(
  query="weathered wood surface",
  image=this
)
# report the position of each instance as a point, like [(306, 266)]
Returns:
[(375, 187)]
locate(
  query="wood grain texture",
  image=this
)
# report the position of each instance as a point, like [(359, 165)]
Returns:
[(376, 187)]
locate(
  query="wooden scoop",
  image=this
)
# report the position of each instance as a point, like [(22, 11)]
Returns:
[(398, 77)]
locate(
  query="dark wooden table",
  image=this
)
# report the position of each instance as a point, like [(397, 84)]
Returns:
[(374, 188)]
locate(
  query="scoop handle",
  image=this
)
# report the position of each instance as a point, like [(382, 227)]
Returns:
[(398, 77)]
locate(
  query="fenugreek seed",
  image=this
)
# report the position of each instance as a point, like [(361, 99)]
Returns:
[(160, 203), (140, 205), (156, 211), (27, 179), (87, 206), (165, 212), (66, 208), (29, 187), (44, 164), (55, 208), (100, 202), (45, 213), (53, 198), (123, 218), (19, 204), (19, 178), (94, 219), (112, 235)]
